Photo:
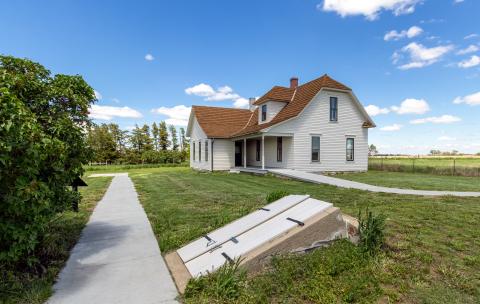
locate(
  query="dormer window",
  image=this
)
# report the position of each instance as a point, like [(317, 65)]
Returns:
[(333, 109), (264, 112)]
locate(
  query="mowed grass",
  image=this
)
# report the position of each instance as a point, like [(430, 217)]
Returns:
[(432, 253), (27, 285), (429, 161), (415, 180)]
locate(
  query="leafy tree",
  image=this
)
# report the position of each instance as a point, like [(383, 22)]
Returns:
[(103, 143), (184, 144), (163, 136), (173, 134), (43, 119), (155, 136), (120, 137), (372, 150)]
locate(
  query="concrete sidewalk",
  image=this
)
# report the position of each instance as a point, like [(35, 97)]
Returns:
[(322, 179), (117, 259)]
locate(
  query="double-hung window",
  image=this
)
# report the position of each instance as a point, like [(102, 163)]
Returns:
[(257, 150), (264, 112), (193, 150), (206, 150), (333, 109), (315, 148), (279, 149), (350, 149), (199, 150)]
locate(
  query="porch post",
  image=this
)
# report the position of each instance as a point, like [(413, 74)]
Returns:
[(244, 152), (263, 152)]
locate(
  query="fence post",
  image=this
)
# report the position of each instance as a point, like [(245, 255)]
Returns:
[(454, 167), (382, 163)]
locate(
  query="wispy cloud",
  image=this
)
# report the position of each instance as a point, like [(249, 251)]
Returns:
[(410, 33), (219, 94), (97, 94), (458, 1), (471, 36), (470, 49), (391, 128), (108, 113), (469, 63), (420, 56), (149, 57), (444, 119), (446, 138), (472, 99), (370, 9), (177, 115)]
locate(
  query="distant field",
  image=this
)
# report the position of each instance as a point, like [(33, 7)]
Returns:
[(463, 166)]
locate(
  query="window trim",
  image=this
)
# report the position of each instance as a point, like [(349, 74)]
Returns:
[(193, 146), (264, 113), (206, 150), (334, 109), (199, 151), (353, 149), (258, 148), (311, 148), (279, 149)]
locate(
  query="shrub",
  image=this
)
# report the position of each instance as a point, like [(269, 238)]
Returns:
[(276, 195), (371, 231), (226, 283), (42, 151)]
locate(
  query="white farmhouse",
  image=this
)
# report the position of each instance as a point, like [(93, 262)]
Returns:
[(316, 126)]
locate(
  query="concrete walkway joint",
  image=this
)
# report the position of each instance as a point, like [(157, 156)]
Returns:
[(117, 259), (322, 179)]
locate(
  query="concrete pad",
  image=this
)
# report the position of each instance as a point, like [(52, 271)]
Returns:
[(117, 259), (338, 182)]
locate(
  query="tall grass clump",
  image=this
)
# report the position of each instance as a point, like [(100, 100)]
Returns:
[(276, 195), (372, 232), (225, 284)]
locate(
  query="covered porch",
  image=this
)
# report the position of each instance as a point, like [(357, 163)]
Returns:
[(260, 152)]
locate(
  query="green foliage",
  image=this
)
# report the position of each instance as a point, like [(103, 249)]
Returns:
[(276, 195), (163, 136), (173, 133), (226, 283), (372, 232), (42, 149)]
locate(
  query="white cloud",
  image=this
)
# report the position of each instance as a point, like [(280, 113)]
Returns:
[(410, 33), (368, 8), (412, 106), (149, 57), (373, 110), (394, 127), (472, 99), (97, 94), (108, 113), (421, 56), (470, 49), (458, 1), (471, 36), (468, 63), (177, 115), (220, 94), (446, 138), (444, 119)]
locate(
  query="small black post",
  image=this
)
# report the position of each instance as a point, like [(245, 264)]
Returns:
[(454, 167), (77, 182)]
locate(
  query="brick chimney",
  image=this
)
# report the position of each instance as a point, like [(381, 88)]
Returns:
[(293, 82)]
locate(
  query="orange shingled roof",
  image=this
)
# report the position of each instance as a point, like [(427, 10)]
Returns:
[(227, 122)]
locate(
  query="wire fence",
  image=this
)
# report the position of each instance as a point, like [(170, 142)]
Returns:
[(437, 166)]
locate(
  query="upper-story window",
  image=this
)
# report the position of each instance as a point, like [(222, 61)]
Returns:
[(264, 112), (333, 109)]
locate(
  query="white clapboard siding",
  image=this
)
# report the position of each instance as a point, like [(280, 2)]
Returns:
[(222, 235), (223, 154), (273, 107), (315, 120), (199, 136), (253, 238)]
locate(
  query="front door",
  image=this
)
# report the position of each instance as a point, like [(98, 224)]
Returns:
[(238, 153)]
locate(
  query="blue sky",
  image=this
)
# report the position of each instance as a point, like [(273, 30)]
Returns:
[(415, 63)]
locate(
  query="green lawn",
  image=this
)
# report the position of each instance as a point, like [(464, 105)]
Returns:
[(35, 285), (432, 253), (415, 180)]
